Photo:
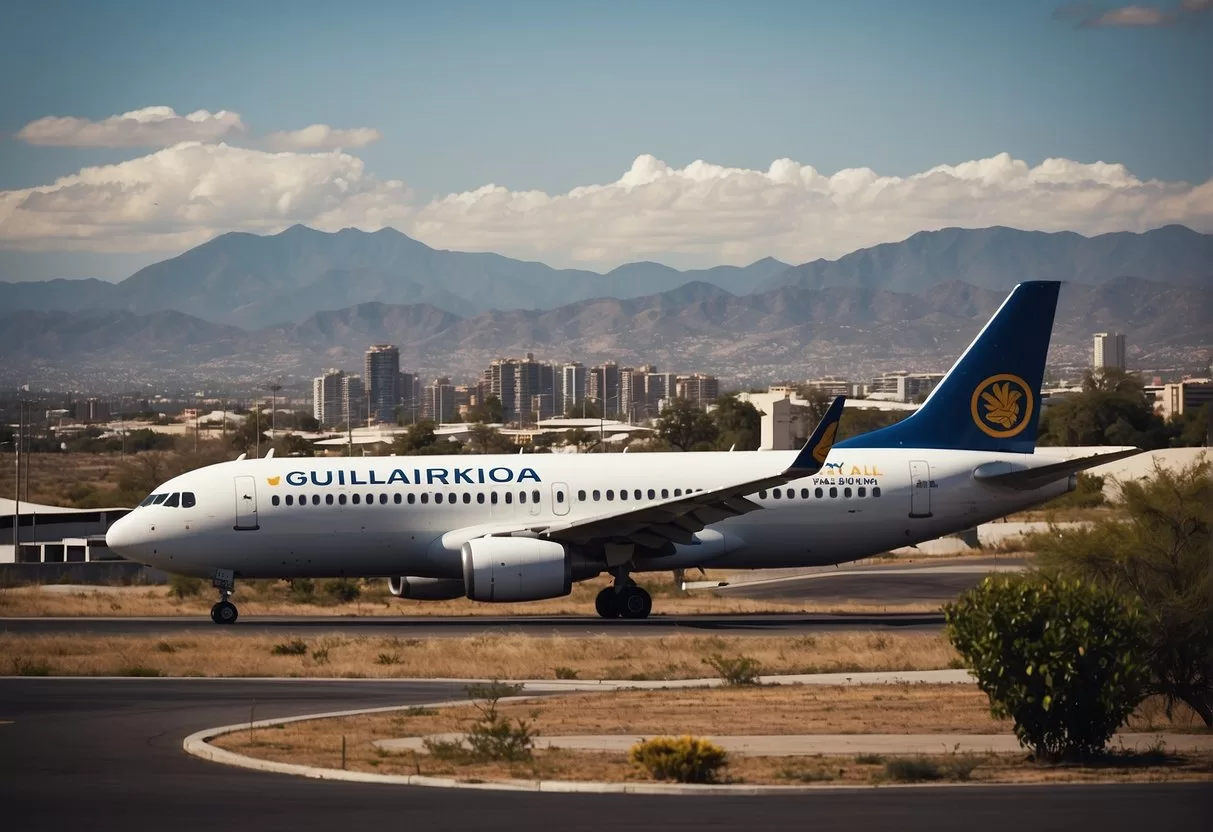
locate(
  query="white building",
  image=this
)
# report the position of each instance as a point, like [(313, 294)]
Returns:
[(1108, 351)]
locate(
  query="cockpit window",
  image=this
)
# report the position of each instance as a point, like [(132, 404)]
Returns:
[(147, 501), (158, 499), (187, 499), (174, 500)]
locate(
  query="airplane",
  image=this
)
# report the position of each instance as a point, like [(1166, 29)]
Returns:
[(505, 528)]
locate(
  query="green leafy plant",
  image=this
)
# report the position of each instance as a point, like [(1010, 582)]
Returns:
[(735, 670), (1062, 659), (294, 647), (183, 586), (342, 590), (387, 658), (565, 673), (492, 735), (685, 759)]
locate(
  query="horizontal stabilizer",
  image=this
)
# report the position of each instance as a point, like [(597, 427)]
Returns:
[(1028, 479)]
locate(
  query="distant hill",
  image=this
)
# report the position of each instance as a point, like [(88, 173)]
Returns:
[(255, 281), (787, 332), (998, 258)]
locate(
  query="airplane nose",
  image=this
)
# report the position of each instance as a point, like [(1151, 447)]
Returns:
[(121, 537)]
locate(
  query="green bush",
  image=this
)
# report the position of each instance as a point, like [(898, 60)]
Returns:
[(1088, 493), (563, 672), (303, 590), (183, 586), (685, 759), (1063, 659), (912, 769), (493, 736), (342, 590), (735, 670)]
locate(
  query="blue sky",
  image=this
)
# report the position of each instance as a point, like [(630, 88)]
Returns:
[(551, 96)]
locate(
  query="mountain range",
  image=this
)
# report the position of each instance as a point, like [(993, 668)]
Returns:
[(254, 282)]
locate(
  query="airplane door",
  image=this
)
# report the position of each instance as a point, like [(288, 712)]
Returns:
[(246, 504), (920, 489), (560, 498)]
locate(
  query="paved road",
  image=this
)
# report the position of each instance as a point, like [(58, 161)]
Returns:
[(451, 627), (89, 754), (887, 583)]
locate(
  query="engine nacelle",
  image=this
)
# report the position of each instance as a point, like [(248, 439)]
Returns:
[(515, 569), (426, 589)]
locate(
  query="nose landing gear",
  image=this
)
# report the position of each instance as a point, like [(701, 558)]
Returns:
[(224, 612)]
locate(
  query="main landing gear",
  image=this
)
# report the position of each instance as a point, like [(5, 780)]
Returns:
[(224, 612), (627, 601)]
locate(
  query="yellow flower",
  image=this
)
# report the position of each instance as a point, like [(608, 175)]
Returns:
[(1002, 404)]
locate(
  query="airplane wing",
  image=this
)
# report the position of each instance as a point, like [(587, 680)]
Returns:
[(653, 525), (1028, 479)]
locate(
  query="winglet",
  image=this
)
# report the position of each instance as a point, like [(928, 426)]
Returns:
[(813, 455)]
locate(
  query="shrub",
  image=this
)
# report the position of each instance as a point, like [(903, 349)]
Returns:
[(912, 769), (342, 590), (294, 647), (493, 736), (139, 670), (685, 759), (867, 759), (183, 586), (387, 658), (566, 673), (31, 667), (303, 591), (1063, 659), (735, 670)]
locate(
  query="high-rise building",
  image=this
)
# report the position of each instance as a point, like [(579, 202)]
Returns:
[(502, 378), (602, 387), (382, 375), (632, 393), (92, 410), (328, 405), (1109, 351), (353, 400), (439, 401), (658, 387), (572, 387), (698, 389), (408, 388)]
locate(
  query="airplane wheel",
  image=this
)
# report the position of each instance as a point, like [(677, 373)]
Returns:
[(635, 603), (607, 604), (224, 612)]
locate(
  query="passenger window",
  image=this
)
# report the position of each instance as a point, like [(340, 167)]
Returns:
[(187, 499), (817, 492), (493, 498), (610, 495), (762, 495), (397, 499), (665, 493), (467, 498), (581, 496), (341, 499), (846, 492), (370, 499), (776, 493), (535, 496), (597, 495), (480, 498), (383, 499), (677, 492), (876, 491), (328, 499), (652, 494), (636, 494), (274, 500), (522, 496), (560, 497), (833, 492), (863, 492), (290, 501), (356, 498), (303, 499), (425, 497), (804, 493), (509, 498), (412, 499), (174, 500), (315, 499)]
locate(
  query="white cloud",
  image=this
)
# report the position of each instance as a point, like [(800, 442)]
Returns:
[(1139, 16), (699, 214), (148, 127), (322, 137)]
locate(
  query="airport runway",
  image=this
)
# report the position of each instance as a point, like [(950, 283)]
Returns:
[(472, 625), (102, 754)]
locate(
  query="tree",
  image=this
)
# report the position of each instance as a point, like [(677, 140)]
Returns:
[(1191, 428), (419, 439), (293, 445), (1112, 409), (1155, 551), (307, 422), (1062, 658), (245, 438), (483, 439), (488, 412), (588, 409), (686, 427), (579, 437), (737, 423)]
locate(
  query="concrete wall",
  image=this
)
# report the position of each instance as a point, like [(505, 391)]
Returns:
[(112, 572)]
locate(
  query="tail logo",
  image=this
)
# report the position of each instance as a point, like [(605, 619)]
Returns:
[(1002, 406), (822, 450)]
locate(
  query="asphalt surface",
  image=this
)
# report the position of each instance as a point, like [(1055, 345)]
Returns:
[(884, 583), (101, 754), (454, 627)]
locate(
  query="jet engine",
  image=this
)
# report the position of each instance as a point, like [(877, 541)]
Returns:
[(426, 589), (515, 569)]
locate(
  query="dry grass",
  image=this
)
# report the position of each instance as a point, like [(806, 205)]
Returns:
[(275, 598), (788, 710), (503, 656)]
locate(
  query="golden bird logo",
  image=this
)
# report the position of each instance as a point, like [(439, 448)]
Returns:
[(273, 480), (1002, 405), (822, 449)]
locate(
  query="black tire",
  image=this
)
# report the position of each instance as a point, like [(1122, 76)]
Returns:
[(635, 603), (607, 603), (224, 612)]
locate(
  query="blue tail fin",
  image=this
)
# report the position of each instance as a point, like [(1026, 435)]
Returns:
[(990, 399)]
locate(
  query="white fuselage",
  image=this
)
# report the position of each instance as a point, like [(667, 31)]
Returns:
[(388, 516)]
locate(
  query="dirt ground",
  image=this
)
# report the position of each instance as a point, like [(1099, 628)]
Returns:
[(741, 710), (500, 656)]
